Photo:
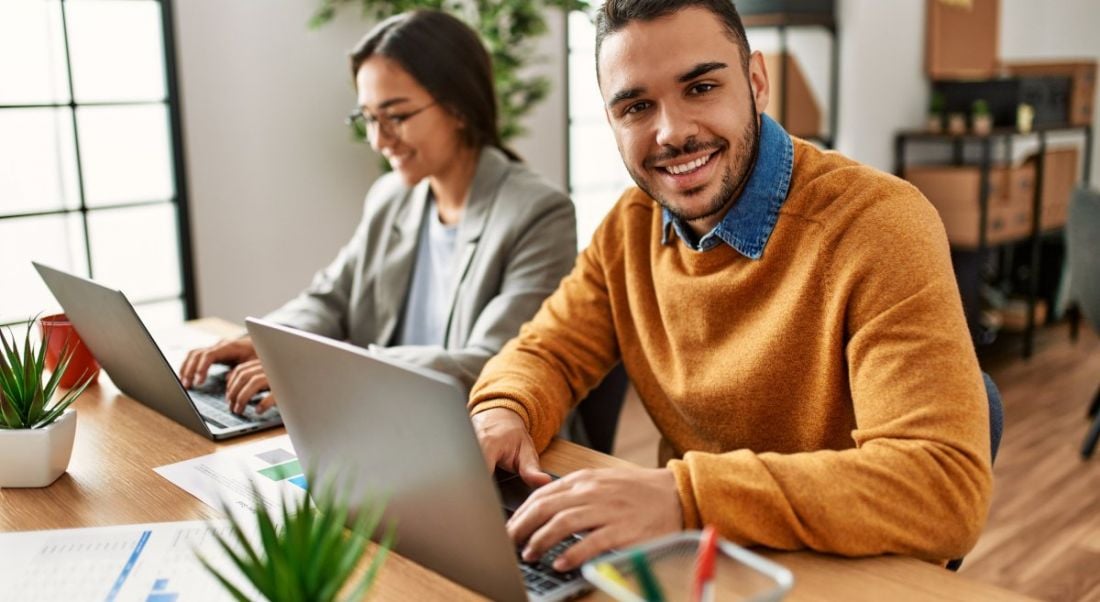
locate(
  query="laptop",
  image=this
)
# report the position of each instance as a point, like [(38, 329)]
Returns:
[(118, 339), (403, 433)]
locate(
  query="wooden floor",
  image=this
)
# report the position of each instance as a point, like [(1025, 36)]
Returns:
[(1043, 534)]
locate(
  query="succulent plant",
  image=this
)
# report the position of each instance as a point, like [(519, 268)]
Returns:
[(304, 552), (26, 395)]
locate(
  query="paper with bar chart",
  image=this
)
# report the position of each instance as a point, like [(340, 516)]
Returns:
[(229, 475), (154, 562)]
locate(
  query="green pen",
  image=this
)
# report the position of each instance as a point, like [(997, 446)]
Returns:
[(650, 589)]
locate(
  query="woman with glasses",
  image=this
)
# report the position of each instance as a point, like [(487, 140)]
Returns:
[(457, 247)]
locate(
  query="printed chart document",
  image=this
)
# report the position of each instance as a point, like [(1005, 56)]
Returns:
[(154, 562), (271, 465)]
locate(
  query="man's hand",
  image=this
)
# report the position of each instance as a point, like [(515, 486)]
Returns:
[(506, 443), (617, 507), (198, 361)]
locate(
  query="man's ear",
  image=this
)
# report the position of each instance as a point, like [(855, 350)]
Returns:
[(758, 81)]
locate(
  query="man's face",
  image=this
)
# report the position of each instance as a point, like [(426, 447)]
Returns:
[(685, 115)]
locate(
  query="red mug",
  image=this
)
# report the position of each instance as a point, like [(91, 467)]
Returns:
[(58, 333)]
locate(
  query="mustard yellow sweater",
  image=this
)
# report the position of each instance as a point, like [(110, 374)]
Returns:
[(826, 396)]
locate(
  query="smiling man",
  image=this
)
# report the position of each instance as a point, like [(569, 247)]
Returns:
[(789, 319)]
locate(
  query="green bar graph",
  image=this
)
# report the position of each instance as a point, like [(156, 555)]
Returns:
[(283, 471)]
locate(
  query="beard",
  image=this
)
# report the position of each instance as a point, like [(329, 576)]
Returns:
[(733, 177)]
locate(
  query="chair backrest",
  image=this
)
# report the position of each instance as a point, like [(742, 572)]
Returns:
[(597, 417), (996, 415), (996, 428), (1083, 252)]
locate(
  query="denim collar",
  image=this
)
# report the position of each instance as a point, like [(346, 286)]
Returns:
[(749, 223)]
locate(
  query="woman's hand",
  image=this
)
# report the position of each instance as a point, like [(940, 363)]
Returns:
[(198, 361)]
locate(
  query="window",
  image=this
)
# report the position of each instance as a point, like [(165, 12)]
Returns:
[(90, 161), (597, 177)]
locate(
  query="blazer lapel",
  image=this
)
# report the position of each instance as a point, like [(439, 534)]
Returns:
[(492, 167), (399, 257)]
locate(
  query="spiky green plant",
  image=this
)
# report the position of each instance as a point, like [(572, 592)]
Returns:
[(311, 556), (25, 395)]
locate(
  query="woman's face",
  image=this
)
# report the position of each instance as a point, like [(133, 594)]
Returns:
[(417, 135)]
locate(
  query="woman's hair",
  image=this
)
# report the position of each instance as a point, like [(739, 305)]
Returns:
[(447, 58)]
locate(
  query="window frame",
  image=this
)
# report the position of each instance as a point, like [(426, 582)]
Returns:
[(179, 199)]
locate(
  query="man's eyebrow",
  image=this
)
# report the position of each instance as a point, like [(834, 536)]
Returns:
[(700, 69), (623, 95), (696, 71)]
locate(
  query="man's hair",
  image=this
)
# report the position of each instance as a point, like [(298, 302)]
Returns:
[(617, 14)]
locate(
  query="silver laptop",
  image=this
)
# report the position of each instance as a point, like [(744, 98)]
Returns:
[(116, 336), (403, 432)]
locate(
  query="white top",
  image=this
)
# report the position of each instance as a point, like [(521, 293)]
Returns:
[(428, 302)]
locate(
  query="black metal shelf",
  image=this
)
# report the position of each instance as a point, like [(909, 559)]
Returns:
[(970, 276)]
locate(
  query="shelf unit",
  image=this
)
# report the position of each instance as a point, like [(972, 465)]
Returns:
[(782, 22), (970, 276)]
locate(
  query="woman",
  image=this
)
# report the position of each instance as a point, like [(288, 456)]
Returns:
[(457, 247)]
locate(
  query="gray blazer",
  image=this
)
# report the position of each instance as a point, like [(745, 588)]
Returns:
[(516, 241)]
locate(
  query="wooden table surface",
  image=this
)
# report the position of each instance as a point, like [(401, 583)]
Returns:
[(110, 481)]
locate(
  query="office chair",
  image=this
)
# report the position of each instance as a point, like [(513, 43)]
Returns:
[(996, 429), (594, 422), (1083, 271)]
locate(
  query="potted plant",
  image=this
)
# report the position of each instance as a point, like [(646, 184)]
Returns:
[(303, 551), (981, 119), (956, 123), (36, 430), (936, 107)]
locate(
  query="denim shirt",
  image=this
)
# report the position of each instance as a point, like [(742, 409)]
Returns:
[(749, 223)]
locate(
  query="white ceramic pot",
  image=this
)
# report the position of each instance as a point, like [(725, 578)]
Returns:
[(36, 457)]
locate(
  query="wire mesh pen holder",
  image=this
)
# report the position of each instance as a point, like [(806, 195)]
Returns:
[(738, 573)]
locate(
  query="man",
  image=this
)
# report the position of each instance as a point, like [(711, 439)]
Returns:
[(788, 317)]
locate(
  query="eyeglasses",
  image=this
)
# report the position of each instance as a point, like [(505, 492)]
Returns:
[(390, 124)]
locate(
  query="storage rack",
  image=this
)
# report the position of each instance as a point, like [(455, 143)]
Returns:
[(970, 279)]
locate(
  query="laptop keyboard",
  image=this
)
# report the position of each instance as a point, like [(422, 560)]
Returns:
[(209, 397), (540, 577)]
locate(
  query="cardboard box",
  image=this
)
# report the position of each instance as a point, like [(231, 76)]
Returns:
[(962, 39), (803, 116), (1060, 177), (1082, 74), (955, 192)]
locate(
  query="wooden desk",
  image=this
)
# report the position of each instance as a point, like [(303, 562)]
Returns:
[(110, 481)]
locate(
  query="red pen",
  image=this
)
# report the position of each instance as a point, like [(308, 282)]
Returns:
[(702, 589)]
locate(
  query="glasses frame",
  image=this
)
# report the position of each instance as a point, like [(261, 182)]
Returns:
[(371, 127)]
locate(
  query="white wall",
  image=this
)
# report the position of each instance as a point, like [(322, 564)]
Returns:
[(1063, 29), (883, 84), (275, 183), (543, 147)]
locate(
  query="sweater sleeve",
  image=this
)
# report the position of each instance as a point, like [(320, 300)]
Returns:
[(564, 351), (918, 479)]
